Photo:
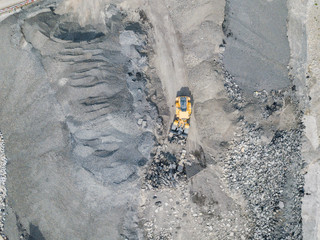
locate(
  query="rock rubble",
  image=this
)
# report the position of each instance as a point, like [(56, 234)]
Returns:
[(233, 91), (167, 168), (268, 176), (263, 164)]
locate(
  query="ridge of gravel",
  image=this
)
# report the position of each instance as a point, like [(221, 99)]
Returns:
[(3, 178)]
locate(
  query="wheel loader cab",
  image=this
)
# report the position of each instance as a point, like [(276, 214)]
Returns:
[(183, 103)]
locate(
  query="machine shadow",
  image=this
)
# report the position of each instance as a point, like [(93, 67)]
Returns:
[(185, 91)]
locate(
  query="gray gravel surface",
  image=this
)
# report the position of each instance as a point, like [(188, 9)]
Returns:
[(257, 51)]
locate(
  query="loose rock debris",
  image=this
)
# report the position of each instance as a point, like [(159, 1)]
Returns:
[(166, 168), (268, 176), (264, 170), (234, 92)]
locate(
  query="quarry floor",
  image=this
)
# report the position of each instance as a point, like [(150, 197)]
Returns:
[(87, 98)]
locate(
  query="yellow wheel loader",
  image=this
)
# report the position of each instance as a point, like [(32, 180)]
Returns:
[(181, 124)]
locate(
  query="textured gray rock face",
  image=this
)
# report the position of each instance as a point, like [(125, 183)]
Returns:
[(69, 112), (257, 52)]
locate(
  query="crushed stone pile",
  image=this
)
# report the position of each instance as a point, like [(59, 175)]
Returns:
[(263, 165), (166, 168), (233, 91), (263, 174)]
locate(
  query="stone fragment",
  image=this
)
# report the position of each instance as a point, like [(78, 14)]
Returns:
[(140, 121)]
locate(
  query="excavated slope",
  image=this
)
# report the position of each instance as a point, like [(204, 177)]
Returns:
[(71, 98)]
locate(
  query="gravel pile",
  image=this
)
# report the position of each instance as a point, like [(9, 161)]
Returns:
[(177, 139), (233, 91), (3, 177), (268, 176), (166, 168), (273, 102), (263, 166)]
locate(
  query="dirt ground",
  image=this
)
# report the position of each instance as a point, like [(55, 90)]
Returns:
[(311, 207)]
